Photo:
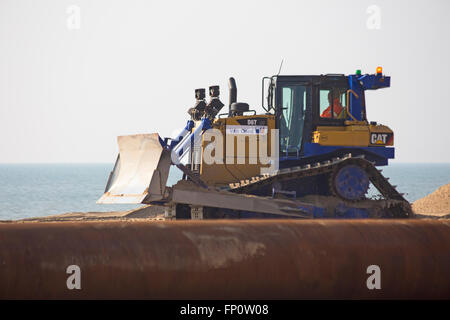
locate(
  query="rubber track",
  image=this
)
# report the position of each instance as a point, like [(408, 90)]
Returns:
[(376, 178)]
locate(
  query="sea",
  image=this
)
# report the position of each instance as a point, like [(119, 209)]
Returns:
[(34, 190)]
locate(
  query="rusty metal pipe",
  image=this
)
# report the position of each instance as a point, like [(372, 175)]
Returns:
[(277, 259)]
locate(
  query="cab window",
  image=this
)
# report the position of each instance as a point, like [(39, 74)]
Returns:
[(292, 117), (333, 102)]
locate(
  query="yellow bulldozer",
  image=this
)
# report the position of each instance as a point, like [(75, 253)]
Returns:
[(312, 154)]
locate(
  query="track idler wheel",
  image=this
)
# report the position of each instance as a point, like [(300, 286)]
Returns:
[(350, 182)]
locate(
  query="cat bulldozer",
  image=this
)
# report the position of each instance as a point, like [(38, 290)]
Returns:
[(312, 154)]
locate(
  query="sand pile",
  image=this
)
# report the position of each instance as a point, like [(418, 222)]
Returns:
[(436, 203)]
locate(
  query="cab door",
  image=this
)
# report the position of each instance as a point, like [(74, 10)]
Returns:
[(293, 106), (330, 101)]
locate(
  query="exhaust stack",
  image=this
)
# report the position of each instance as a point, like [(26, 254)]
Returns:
[(232, 93)]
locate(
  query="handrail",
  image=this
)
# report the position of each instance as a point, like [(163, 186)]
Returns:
[(348, 103)]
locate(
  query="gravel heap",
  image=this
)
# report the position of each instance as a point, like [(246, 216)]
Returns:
[(436, 203)]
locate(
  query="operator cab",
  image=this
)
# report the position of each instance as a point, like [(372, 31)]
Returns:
[(311, 109), (302, 103)]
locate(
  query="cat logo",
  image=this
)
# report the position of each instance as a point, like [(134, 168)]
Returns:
[(379, 138)]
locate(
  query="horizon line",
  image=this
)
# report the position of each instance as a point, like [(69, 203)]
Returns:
[(95, 162)]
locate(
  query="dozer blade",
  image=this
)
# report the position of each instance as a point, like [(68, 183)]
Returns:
[(141, 170)]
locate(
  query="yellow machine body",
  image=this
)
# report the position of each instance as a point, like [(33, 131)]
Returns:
[(354, 134), (238, 134), (232, 166)]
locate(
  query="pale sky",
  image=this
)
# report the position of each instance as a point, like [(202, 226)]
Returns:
[(132, 67)]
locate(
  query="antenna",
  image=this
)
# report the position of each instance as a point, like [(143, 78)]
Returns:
[(281, 65)]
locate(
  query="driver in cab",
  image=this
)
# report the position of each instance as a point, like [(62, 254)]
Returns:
[(337, 106)]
